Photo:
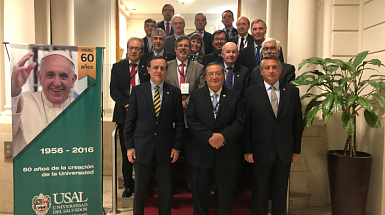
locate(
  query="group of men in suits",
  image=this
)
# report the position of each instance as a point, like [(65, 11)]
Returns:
[(237, 104)]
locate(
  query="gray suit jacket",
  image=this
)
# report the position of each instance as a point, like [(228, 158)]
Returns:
[(194, 76), (170, 44)]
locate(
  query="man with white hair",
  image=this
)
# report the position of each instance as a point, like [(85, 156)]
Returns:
[(272, 46), (33, 111), (178, 24)]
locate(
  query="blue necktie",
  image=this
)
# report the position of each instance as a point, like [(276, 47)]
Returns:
[(215, 103), (229, 78), (257, 55)]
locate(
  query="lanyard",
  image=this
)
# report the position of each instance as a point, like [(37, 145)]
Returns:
[(185, 70)]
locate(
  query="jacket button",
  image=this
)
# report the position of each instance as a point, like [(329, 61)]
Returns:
[(156, 122), (155, 134), (276, 124)]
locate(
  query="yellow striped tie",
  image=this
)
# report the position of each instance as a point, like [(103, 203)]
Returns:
[(157, 101)]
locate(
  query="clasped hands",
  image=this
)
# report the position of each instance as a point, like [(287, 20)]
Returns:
[(217, 140)]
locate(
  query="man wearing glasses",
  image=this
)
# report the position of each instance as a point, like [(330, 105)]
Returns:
[(272, 46), (178, 25), (219, 39), (227, 20), (124, 75)]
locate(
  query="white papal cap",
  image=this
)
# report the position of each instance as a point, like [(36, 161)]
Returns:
[(59, 52)]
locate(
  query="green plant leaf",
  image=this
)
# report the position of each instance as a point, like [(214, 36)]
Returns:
[(359, 58), (375, 62), (348, 122), (365, 103), (307, 95), (310, 61), (382, 85), (345, 80), (375, 85), (337, 105), (300, 82), (350, 100), (339, 90), (331, 68), (308, 119), (326, 117), (348, 66), (327, 103), (380, 99), (372, 119)]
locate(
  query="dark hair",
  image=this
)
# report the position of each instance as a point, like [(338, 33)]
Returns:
[(272, 57), (218, 32), (200, 14), (215, 63), (259, 20), (156, 58), (201, 52), (149, 20), (228, 11), (135, 38), (183, 37), (168, 5)]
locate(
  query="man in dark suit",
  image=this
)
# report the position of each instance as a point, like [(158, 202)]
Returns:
[(178, 25), (272, 46), (215, 117), (218, 40), (200, 24), (124, 75), (251, 56), (158, 41), (150, 136), (272, 138), (237, 76), (227, 20), (167, 12), (149, 26), (243, 38)]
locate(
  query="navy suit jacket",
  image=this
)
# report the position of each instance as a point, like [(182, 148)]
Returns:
[(266, 135), (202, 124), (120, 86), (150, 135), (207, 40), (247, 57), (233, 32), (234, 39), (241, 79), (213, 57), (161, 25), (287, 74)]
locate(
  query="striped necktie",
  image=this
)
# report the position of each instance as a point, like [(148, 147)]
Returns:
[(157, 101)]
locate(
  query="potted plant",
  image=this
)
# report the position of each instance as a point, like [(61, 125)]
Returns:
[(343, 89)]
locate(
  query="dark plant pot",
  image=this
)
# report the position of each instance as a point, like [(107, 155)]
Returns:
[(349, 182)]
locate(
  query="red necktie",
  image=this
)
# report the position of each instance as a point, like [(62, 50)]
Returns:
[(132, 75), (201, 33), (167, 29), (182, 81)]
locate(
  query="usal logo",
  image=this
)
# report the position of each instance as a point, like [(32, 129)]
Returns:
[(41, 204)]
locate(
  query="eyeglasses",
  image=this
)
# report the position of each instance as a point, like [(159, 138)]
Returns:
[(211, 74), (219, 39), (273, 48), (136, 48), (177, 23)]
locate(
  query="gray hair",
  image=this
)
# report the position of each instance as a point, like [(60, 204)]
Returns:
[(158, 31), (177, 15), (259, 20), (272, 57), (215, 63), (277, 43)]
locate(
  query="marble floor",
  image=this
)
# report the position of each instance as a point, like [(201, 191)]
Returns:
[(125, 204)]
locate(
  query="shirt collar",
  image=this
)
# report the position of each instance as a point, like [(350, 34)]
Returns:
[(218, 92), (267, 85), (159, 54), (179, 62), (130, 62), (153, 85), (230, 29), (227, 66)]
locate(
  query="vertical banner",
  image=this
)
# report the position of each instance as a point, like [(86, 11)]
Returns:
[(56, 122)]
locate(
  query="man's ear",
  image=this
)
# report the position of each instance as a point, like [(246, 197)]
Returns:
[(74, 78)]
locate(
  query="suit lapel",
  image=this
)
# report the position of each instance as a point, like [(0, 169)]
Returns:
[(189, 71), (265, 97), (165, 98), (175, 72), (142, 75), (237, 78), (282, 92), (126, 68), (149, 98), (209, 104), (222, 101)]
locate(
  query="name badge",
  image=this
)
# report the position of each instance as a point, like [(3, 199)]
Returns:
[(184, 88)]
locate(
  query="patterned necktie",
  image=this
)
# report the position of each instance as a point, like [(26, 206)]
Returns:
[(257, 55), (229, 78), (215, 104), (182, 79), (242, 44), (274, 100), (157, 101), (132, 75), (167, 29)]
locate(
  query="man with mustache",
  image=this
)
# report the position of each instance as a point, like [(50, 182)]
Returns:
[(33, 111), (124, 76), (158, 40), (218, 40), (178, 25)]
